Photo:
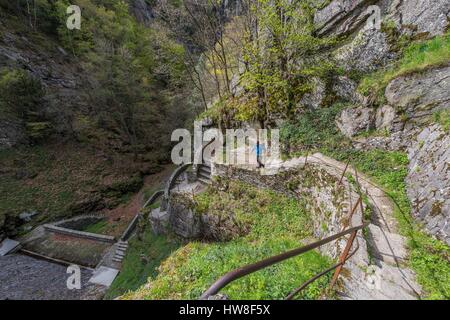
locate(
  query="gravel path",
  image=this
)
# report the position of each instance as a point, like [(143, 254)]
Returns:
[(26, 278)]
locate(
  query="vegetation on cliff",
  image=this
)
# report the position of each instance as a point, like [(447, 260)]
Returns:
[(106, 96), (276, 224)]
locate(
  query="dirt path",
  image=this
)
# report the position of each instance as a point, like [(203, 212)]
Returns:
[(387, 247), (119, 218)]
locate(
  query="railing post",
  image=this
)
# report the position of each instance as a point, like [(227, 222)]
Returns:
[(344, 172), (343, 258)]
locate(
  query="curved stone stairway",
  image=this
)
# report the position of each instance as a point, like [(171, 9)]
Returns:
[(390, 278), (204, 173)]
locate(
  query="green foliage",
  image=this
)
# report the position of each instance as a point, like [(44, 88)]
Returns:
[(313, 131), (443, 118), (20, 93), (277, 224), (429, 257), (136, 74), (97, 228), (417, 57), (281, 67), (141, 263)]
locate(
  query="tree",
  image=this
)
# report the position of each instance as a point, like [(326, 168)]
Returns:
[(282, 55)]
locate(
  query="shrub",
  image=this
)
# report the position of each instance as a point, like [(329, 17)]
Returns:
[(20, 93), (313, 130)]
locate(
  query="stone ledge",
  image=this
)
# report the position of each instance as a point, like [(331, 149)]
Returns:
[(79, 234)]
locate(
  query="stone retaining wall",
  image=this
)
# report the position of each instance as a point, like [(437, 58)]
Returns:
[(328, 201), (79, 234)]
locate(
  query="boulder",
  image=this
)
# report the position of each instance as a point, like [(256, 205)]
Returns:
[(427, 181), (385, 117), (353, 121), (367, 52), (314, 99), (346, 89), (28, 216)]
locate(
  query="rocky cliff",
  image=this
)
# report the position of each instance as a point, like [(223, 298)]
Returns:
[(401, 113)]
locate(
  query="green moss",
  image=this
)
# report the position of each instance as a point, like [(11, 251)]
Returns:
[(97, 228), (20, 93), (277, 224)]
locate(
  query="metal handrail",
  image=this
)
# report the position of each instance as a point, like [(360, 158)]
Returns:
[(244, 271), (132, 225), (345, 256), (319, 275), (171, 184)]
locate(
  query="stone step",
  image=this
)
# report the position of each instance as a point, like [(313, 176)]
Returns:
[(205, 168), (122, 246), (206, 163), (8, 246), (386, 246), (204, 176), (204, 173), (204, 181)]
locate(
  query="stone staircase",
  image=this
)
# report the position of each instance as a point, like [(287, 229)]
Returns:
[(121, 249), (204, 173)]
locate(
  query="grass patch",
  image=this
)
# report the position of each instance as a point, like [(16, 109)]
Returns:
[(443, 118), (313, 131), (100, 227), (277, 224), (418, 56), (141, 263), (429, 258)]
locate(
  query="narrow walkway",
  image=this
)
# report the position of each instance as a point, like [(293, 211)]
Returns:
[(391, 278)]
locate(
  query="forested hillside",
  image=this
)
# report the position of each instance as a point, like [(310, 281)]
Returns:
[(84, 114)]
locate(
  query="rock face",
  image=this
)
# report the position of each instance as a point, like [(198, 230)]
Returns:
[(61, 77), (345, 89), (142, 11), (411, 102), (355, 120), (429, 16), (428, 181), (420, 95), (11, 133), (341, 16), (368, 51), (417, 16)]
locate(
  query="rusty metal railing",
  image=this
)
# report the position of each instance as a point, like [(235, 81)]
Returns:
[(337, 268), (252, 268)]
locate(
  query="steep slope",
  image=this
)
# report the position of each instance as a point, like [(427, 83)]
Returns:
[(84, 114)]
